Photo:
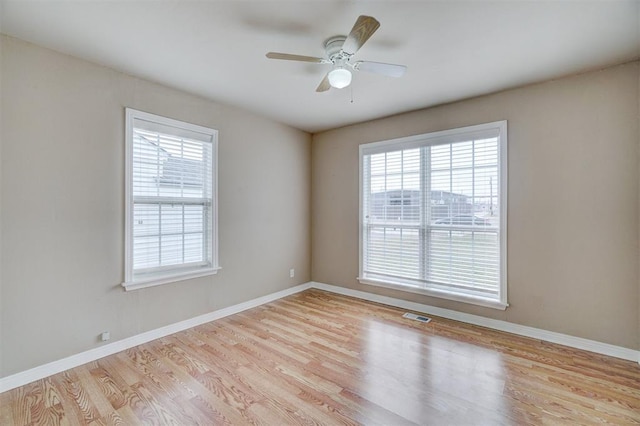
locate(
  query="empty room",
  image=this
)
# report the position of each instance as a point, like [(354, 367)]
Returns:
[(319, 212)]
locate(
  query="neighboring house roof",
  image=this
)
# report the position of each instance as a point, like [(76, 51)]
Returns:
[(182, 171), (411, 192)]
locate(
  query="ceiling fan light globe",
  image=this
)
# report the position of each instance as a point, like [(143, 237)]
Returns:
[(340, 78)]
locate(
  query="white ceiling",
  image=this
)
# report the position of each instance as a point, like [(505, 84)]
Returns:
[(453, 50)]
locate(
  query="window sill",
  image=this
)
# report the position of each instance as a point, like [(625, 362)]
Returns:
[(167, 279), (472, 300)]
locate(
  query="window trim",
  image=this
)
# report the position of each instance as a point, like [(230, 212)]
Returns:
[(436, 138), (179, 272)]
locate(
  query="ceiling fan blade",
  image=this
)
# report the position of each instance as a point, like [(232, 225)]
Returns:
[(290, 57), (324, 84), (364, 28), (391, 70)]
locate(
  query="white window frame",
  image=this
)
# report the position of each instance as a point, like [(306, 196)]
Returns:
[(173, 273), (498, 128)]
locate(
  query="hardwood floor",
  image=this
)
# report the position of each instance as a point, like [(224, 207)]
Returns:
[(321, 358)]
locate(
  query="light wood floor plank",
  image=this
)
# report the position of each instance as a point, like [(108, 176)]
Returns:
[(321, 358)]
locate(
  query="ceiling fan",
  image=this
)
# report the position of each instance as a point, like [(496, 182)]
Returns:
[(340, 50)]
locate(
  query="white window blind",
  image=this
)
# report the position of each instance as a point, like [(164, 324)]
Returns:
[(432, 214), (171, 200)]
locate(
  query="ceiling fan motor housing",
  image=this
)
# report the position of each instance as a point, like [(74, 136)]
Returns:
[(333, 47)]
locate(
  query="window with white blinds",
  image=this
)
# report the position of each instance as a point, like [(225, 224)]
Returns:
[(171, 205), (432, 214)]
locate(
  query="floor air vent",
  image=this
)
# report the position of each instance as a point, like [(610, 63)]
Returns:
[(416, 317)]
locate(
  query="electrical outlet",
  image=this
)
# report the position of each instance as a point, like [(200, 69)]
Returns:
[(105, 336), (292, 273)]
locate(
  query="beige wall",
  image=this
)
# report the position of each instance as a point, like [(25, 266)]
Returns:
[(62, 223), (572, 201)]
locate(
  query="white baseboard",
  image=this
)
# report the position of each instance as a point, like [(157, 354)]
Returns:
[(46, 370), (509, 327)]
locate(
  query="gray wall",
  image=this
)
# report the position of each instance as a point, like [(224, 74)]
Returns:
[(573, 195), (62, 223)]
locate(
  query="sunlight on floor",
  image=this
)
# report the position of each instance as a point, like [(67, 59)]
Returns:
[(411, 372)]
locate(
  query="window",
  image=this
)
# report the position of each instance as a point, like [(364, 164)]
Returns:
[(433, 214), (171, 203)]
